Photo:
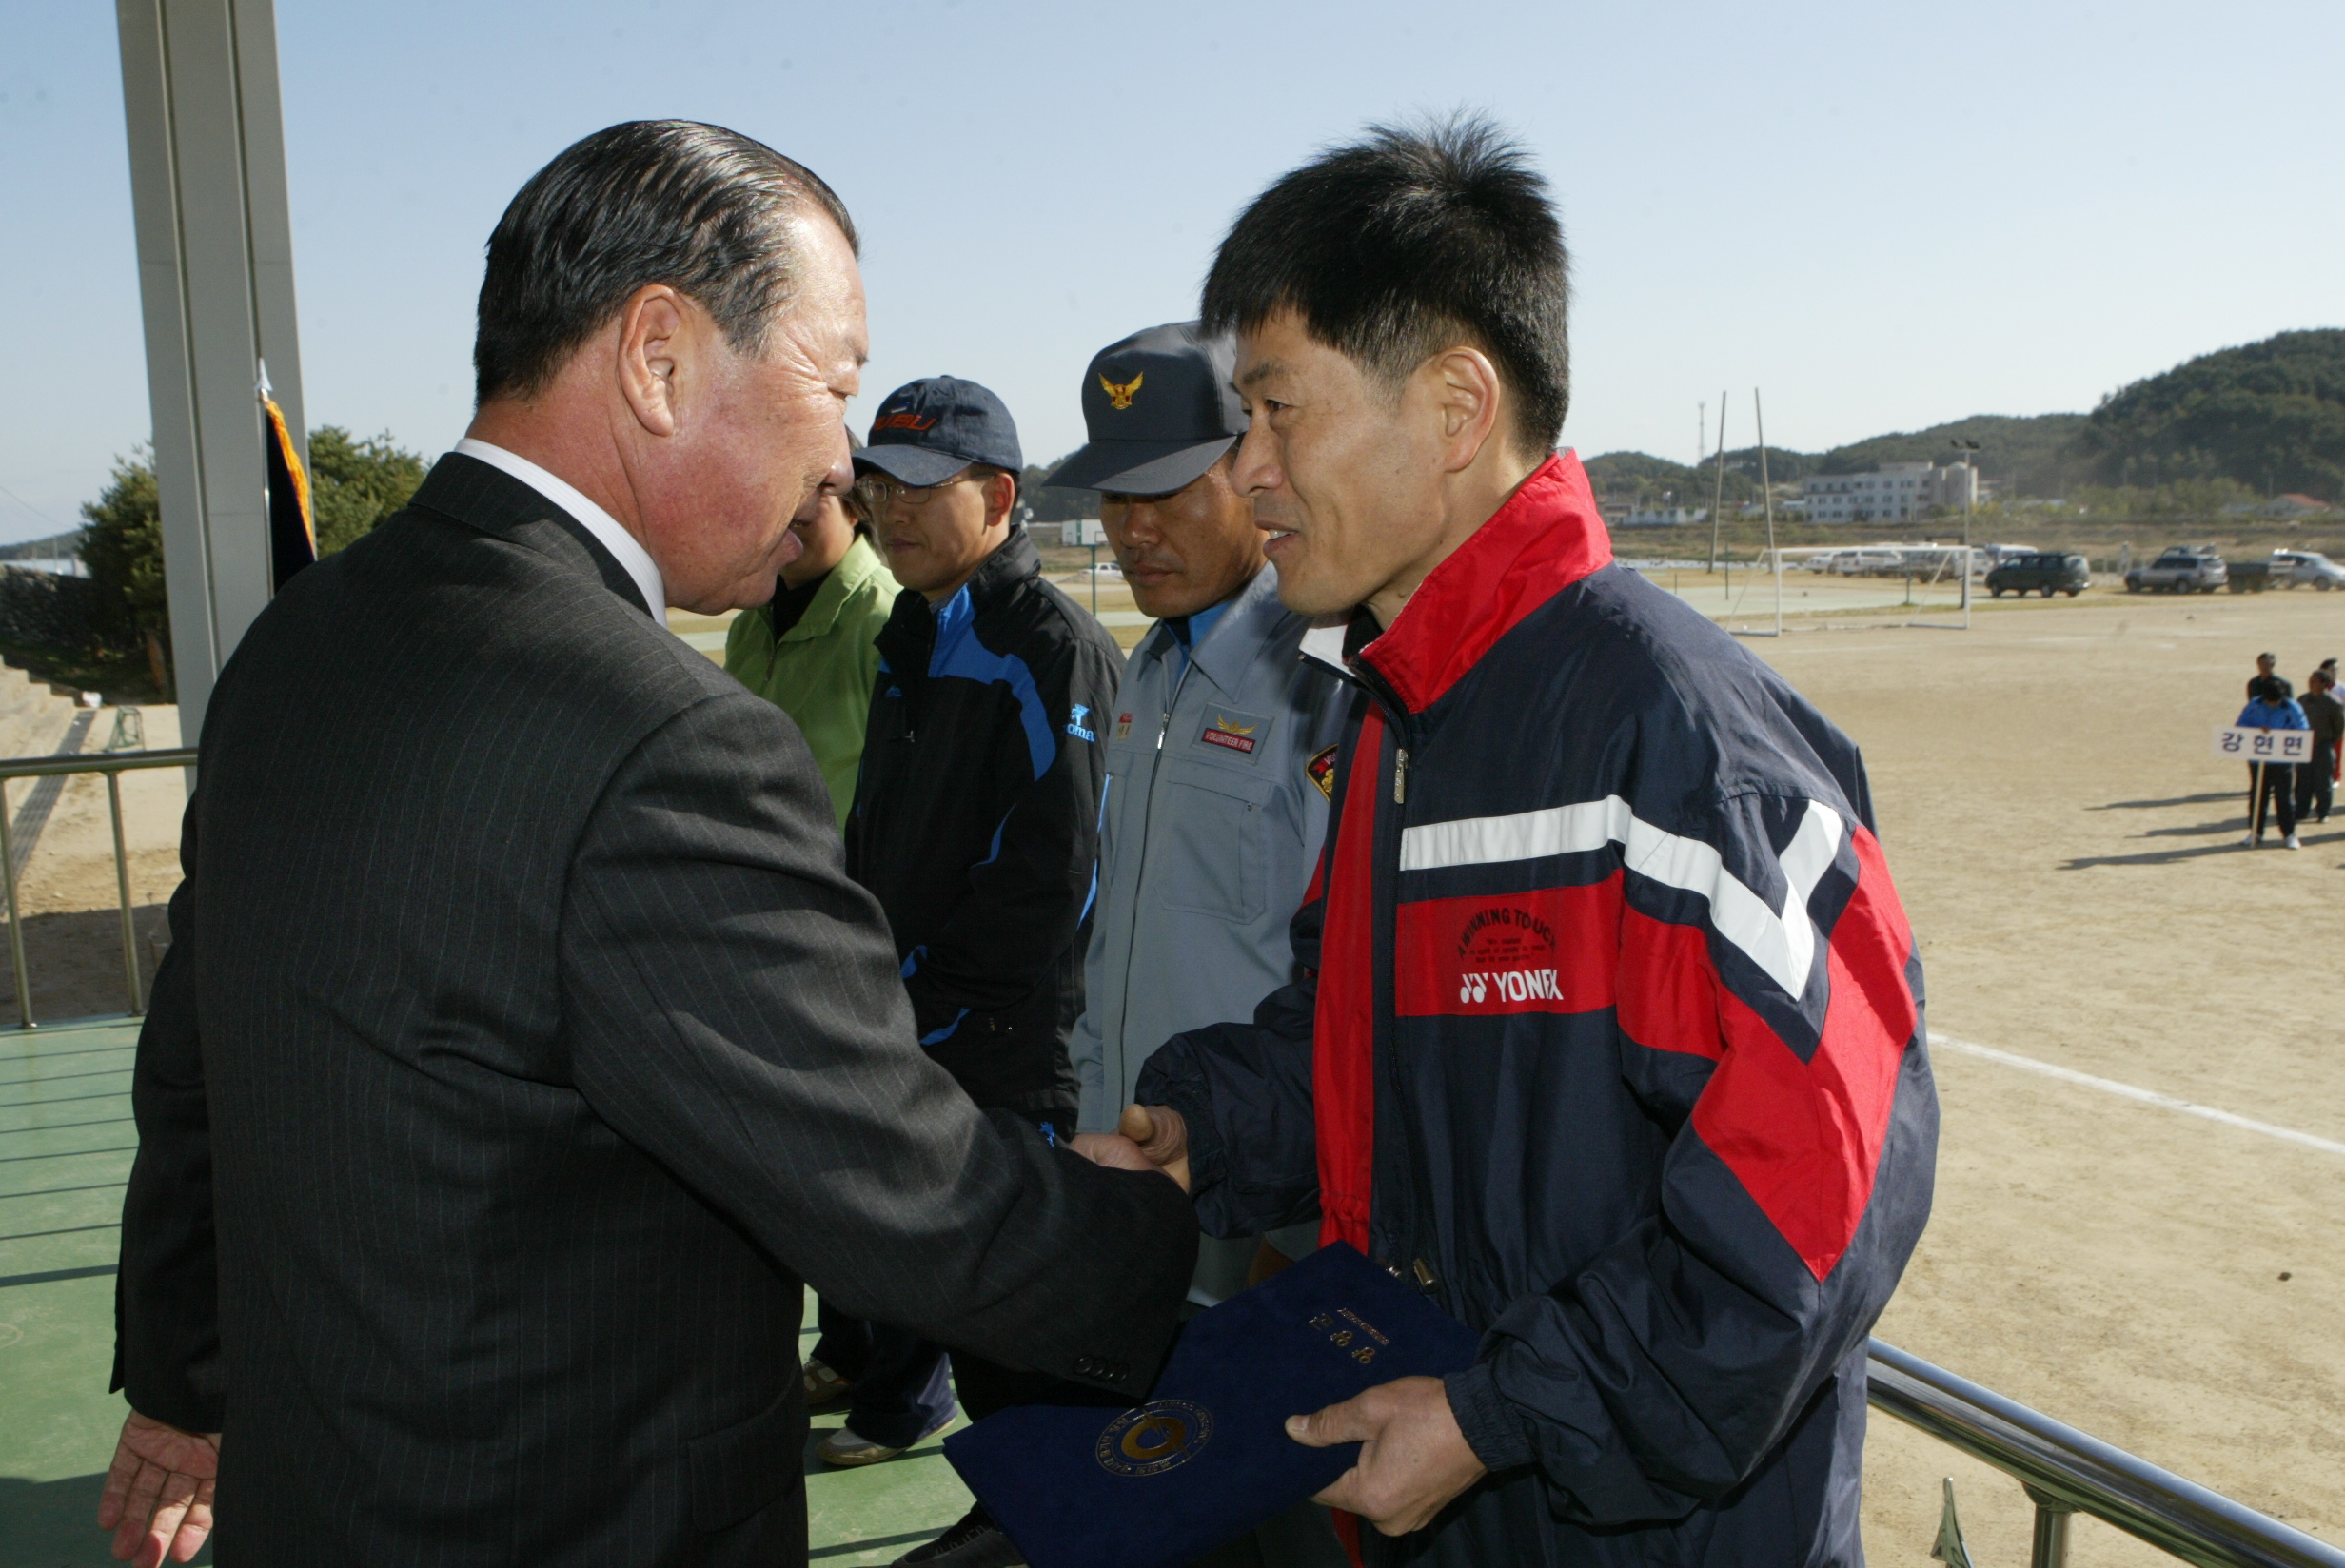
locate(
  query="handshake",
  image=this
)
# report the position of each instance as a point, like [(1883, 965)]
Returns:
[(1148, 1138)]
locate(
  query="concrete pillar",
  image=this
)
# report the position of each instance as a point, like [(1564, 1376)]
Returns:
[(215, 254)]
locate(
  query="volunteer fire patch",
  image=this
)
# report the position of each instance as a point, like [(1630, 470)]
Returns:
[(1234, 733)]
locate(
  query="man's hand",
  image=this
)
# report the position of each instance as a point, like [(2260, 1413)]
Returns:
[(158, 1492), (1414, 1459), (1162, 1136), (1119, 1152), (1125, 1149)]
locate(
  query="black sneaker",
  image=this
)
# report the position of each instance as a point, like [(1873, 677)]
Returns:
[(976, 1542)]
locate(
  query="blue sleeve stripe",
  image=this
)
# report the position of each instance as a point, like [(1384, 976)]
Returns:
[(995, 853), (938, 1036), (960, 652)]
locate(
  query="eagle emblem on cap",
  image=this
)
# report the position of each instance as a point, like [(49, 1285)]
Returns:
[(1119, 397)]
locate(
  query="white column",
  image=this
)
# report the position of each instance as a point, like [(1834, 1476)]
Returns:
[(215, 252)]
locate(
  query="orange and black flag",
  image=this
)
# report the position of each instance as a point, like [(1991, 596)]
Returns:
[(292, 528)]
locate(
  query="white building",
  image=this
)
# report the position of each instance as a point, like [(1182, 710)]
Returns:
[(1895, 492), (1662, 517)]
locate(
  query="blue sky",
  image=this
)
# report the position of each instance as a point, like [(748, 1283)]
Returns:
[(1887, 215)]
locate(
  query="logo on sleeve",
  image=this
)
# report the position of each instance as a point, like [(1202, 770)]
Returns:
[(1075, 726), (1231, 730), (1320, 770)]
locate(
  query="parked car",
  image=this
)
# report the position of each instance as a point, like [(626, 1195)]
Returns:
[(2184, 569), (2303, 568), (2043, 573)]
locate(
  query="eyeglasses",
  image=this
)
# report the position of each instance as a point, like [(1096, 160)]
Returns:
[(887, 492)]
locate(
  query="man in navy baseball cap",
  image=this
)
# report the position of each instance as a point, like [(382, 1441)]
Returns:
[(976, 829), (1159, 410), (946, 454), (1221, 801)]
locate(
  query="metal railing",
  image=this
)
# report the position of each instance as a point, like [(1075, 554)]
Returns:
[(114, 766), (2067, 1473)]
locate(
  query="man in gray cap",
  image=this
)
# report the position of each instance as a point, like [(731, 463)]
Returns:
[(1221, 746)]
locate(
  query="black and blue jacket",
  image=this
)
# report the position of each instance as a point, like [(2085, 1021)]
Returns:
[(1611, 1039), (976, 821)]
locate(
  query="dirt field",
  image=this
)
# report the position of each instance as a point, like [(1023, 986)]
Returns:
[(2065, 845)]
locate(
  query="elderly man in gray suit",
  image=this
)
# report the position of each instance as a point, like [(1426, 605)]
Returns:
[(524, 1043)]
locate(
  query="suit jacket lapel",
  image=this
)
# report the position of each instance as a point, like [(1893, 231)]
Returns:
[(469, 491)]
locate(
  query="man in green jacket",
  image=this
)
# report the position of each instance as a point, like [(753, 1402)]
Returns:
[(812, 651)]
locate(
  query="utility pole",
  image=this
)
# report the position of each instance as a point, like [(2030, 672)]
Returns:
[(1717, 497), (1767, 492), (1970, 497)]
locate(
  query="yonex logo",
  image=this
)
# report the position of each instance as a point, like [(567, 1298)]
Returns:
[(1511, 985)]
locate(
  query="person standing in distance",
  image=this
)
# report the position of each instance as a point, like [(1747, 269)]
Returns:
[(2269, 706), (812, 650), (1612, 1041), (524, 1044), (2267, 665), (2316, 779)]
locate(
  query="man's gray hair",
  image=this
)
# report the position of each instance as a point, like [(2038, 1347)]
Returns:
[(703, 210)]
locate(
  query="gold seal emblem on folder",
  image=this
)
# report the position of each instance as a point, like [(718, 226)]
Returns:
[(1154, 1438)]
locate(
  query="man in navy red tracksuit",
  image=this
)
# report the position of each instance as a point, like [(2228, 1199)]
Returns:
[(1612, 1036)]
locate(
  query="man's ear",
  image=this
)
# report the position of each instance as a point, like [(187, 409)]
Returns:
[(1466, 397), (1000, 498), (655, 345)]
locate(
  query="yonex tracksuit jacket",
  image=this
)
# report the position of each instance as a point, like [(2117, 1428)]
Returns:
[(1612, 1041)]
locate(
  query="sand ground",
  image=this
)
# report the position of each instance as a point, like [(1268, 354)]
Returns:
[(2065, 845)]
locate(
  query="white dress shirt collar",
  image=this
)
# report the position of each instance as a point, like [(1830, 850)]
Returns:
[(629, 549)]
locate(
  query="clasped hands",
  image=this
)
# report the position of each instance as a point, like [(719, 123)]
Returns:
[(1413, 1458), (1148, 1138)]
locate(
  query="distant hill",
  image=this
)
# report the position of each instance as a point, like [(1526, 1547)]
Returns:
[(55, 547), (2028, 455), (2269, 414)]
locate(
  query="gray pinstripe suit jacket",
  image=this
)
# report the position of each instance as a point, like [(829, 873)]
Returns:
[(521, 1045)]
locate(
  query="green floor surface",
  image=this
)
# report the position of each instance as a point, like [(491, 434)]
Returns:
[(66, 1143)]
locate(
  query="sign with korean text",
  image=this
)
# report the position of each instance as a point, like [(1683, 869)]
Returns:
[(2235, 744)]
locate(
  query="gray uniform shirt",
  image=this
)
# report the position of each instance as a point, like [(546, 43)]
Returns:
[(1208, 834)]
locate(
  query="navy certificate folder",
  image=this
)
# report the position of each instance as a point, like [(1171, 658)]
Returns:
[(1208, 1457)]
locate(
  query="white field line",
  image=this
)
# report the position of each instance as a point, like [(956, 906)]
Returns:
[(2148, 1097)]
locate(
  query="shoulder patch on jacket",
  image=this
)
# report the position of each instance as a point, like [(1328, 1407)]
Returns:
[(1320, 770)]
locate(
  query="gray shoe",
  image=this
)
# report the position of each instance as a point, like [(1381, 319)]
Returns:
[(825, 1387), (976, 1542), (846, 1450)]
